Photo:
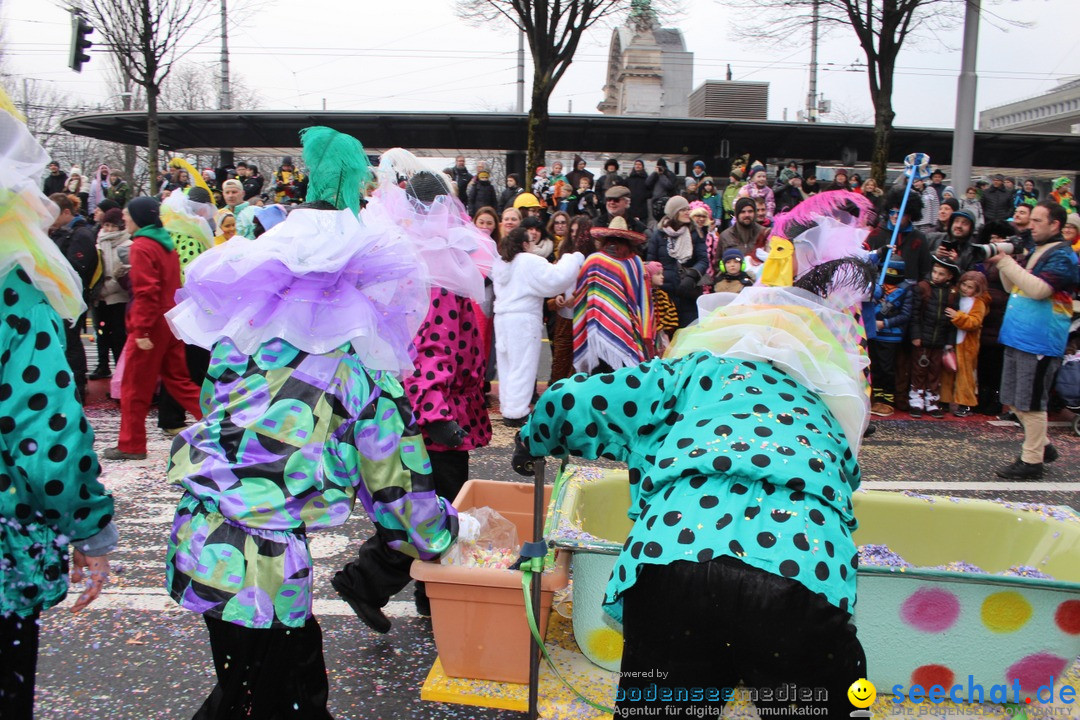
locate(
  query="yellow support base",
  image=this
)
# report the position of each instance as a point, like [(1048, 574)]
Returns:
[(556, 702)]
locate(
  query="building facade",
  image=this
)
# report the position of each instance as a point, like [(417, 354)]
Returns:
[(731, 100), (1057, 111), (650, 72)]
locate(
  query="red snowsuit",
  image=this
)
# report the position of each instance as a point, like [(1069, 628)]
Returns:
[(155, 278)]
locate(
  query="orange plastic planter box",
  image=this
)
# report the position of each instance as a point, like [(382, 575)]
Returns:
[(478, 614)]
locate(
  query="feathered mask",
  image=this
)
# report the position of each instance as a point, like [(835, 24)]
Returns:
[(824, 228)]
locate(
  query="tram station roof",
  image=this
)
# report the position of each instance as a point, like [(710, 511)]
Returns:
[(447, 134)]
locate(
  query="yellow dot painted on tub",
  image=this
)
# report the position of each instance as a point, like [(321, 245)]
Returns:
[(1005, 612), (605, 644)]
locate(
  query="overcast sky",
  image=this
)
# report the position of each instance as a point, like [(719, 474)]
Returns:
[(417, 55)]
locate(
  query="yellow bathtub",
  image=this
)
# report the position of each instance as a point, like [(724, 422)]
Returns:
[(918, 626)]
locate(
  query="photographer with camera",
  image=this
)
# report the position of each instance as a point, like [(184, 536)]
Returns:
[(1035, 331), (957, 246)]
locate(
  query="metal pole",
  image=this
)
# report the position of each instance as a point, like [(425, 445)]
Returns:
[(964, 133), (521, 72), (225, 99), (539, 467), (811, 95)]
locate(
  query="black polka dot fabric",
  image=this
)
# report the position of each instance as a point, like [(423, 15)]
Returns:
[(726, 457), (187, 249), (49, 492), (448, 383)]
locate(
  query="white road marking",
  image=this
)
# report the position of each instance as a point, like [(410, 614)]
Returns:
[(157, 600)]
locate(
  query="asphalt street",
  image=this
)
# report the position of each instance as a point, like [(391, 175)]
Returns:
[(134, 655)]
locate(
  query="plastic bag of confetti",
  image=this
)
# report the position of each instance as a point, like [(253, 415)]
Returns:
[(485, 539)]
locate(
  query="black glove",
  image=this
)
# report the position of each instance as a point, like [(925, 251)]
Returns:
[(522, 461), (446, 432), (688, 285)]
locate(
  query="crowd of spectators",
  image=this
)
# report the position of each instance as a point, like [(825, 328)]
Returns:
[(935, 343)]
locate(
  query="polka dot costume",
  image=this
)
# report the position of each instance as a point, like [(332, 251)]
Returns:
[(289, 443), (49, 491), (448, 383), (187, 249), (726, 457)]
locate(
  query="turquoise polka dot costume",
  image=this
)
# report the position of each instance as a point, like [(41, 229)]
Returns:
[(49, 491), (741, 446), (726, 457)]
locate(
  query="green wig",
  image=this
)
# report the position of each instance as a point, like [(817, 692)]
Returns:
[(338, 169)]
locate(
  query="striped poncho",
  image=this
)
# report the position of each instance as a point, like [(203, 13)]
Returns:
[(613, 314)]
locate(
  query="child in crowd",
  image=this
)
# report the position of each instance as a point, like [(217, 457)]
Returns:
[(667, 319), (959, 386), (759, 189), (541, 186), (523, 280), (733, 278), (584, 201), (227, 228), (895, 303), (933, 335), (560, 196)]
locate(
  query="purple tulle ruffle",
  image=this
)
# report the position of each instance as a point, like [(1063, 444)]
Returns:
[(457, 254), (318, 280)]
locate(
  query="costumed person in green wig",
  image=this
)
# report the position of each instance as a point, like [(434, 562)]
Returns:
[(742, 447), (307, 329), (55, 516), (1061, 194)]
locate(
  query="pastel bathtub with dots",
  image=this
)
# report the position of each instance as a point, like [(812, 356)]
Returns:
[(917, 625)]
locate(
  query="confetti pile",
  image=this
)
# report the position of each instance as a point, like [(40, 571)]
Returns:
[(884, 556), (881, 556), (473, 555), (570, 531), (1045, 512)]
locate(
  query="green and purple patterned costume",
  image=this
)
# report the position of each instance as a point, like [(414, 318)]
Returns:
[(287, 443)]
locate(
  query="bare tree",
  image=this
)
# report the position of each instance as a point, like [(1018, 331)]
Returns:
[(196, 87), (553, 29), (146, 37), (44, 106), (881, 26), (845, 114)]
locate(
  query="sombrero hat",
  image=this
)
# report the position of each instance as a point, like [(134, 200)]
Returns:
[(617, 230)]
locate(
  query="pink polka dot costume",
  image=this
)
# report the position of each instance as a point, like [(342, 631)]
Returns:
[(448, 383)]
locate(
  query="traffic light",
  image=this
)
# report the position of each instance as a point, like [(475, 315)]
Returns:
[(80, 46)]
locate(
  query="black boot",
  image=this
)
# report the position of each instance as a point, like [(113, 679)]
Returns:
[(423, 605), (1021, 470), (371, 616)]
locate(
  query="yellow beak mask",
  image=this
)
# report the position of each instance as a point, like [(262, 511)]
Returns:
[(779, 268)]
